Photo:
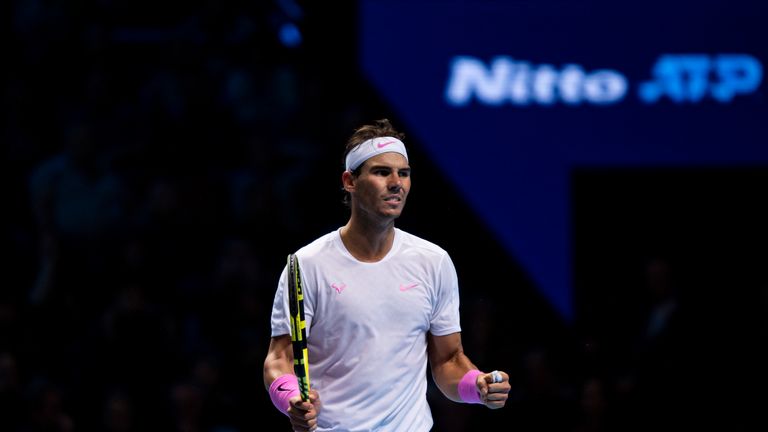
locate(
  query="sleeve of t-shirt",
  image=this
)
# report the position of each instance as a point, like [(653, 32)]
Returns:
[(445, 311), (280, 321)]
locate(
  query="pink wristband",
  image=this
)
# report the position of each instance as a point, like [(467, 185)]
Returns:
[(468, 387), (282, 389)]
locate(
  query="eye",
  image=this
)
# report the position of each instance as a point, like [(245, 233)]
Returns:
[(404, 173)]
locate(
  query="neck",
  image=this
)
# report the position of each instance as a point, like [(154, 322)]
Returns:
[(367, 241)]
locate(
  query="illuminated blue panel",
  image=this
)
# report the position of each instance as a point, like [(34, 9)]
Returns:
[(509, 97)]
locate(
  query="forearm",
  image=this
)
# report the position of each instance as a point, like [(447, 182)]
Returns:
[(284, 392), (449, 372), (450, 369), (279, 360)]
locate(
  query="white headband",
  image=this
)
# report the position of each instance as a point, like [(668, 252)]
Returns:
[(374, 147)]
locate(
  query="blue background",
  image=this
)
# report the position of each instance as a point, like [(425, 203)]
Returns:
[(514, 163)]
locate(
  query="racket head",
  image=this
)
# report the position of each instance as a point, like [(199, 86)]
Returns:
[(298, 326)]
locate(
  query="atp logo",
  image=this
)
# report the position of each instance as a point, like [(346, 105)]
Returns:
[(689, 78), (683, 78)]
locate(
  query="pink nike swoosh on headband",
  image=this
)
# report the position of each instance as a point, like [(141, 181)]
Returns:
[(382, 145)]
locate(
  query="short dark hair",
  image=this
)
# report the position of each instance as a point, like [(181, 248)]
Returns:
[(379, 128)]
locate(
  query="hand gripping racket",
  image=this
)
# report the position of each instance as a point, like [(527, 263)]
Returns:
[(298, 326)]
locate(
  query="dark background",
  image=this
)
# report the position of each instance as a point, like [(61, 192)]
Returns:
[(162, 159)]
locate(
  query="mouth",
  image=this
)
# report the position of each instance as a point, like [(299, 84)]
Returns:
[(393, 199)]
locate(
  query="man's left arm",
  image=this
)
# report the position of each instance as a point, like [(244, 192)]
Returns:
[(459, 379)]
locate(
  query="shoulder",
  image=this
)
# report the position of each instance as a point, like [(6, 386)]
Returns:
[(49, 168), (417, 245), (319, 247)]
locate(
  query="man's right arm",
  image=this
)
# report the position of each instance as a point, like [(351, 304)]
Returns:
[(279, 363), (279, 359)]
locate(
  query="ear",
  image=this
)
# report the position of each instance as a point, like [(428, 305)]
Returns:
[(348, 181)]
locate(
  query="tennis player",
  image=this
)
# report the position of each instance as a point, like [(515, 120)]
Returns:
[(380, 304)]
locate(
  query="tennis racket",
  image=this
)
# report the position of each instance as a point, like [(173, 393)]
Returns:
[(298, 326)]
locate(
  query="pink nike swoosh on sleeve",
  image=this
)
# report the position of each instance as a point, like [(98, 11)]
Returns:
[(406, 287)]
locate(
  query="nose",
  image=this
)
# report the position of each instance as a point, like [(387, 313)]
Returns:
[(395, 182)]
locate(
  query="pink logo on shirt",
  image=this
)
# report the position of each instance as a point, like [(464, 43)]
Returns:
[(406, 287), (338, 287)]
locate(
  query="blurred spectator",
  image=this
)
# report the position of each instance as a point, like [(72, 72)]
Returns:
[(187, 406), (78, 205), (544, 401), (594, 407), (11, 393), (662, 376), (47, 409), (118, 413), (136, 352)]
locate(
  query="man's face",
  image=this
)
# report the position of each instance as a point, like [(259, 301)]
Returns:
[(382, 186)]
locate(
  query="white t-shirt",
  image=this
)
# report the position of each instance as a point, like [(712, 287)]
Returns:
[(366, 330)]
